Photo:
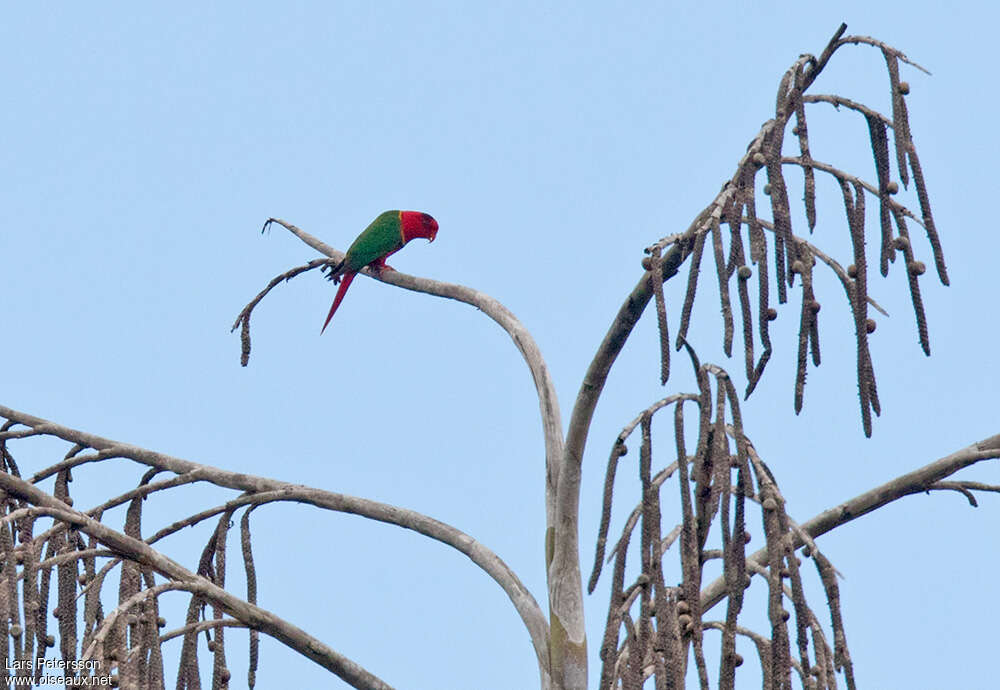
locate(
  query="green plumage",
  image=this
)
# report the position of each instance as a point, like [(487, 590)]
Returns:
[(382, 237), (386, 235)]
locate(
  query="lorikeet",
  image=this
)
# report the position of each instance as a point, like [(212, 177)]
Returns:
[(386, 235)]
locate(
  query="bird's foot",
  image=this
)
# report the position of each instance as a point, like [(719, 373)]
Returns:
[(379, 265), (332, 270)]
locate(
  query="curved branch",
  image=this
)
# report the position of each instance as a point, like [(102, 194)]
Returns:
[(256, 617), (525, 604), (837, 101), (915, 482), (107, 625), (618, 451), (829, 261), (965, 488), (853, 179), (879, 44), (201, 626), (69, 463), (548, 402), (522, 599), (841, 273)]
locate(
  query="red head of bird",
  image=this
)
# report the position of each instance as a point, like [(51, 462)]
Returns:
[(416, 224)]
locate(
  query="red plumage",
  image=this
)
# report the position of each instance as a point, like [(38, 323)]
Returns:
[(386, 235), (345, 281)]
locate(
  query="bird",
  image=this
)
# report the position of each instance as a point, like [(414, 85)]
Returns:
[(386, 235)]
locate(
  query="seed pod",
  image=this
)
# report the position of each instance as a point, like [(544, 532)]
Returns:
[(772, 313), (892, 188), (917, 268), (815, 306), (744, 272), (870, 325), (767, 189), (904, 87), (852, 271)]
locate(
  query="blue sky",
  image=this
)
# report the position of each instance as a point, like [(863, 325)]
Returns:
[(145, 146)]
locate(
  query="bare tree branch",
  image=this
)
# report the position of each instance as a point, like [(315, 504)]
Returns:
[(548, 401), (135, 550), (915, 482), (524, 603)]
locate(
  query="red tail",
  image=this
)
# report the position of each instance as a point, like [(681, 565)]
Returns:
[(344, 282)]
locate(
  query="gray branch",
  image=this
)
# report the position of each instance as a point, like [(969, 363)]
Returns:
[(525, 604), (917, 481)]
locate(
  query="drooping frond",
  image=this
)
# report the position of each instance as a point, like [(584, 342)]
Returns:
[(775, 248)]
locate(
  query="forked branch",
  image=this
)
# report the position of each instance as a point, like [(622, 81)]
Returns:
[(922, 480), (257, 491)]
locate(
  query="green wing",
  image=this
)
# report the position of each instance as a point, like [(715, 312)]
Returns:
[(381, 238)]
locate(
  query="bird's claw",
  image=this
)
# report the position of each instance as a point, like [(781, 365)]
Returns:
[(330, 269), (377, 267)]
